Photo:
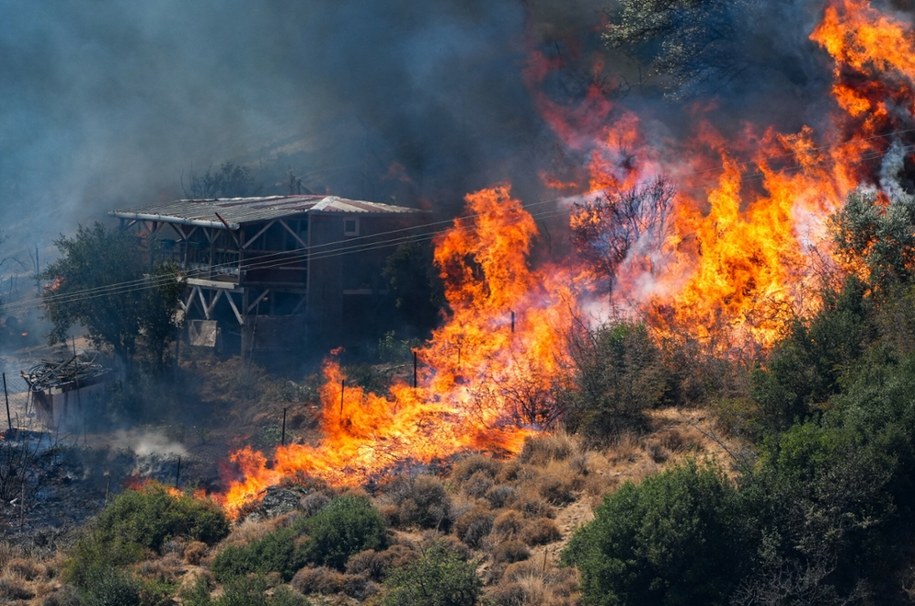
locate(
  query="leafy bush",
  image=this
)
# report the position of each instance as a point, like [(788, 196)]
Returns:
[(347, 525), (242, 591), (673, 539), (276, 552), (439, 577), (149, 516), (618, 375)]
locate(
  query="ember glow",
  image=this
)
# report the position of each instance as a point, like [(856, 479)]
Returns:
[(737, 259)]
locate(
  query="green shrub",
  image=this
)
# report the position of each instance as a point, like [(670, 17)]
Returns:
[(347, 525), (618, 376), (110, 588), (149, 516), (242, 591), (673, 539), (439, 577), (276, 552)]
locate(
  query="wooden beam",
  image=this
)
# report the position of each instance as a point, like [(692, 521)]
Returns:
[(258, 234), (293, 234), (259, 298), (238, 316)]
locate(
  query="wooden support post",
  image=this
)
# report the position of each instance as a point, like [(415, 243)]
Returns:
[(6, 396), (414, 369), (342, 389), (513, 321), (178, 472), (283, 432)]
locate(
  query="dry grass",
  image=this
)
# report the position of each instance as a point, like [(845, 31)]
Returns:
[(26, 578), (321, 580), (464, 469), (544, 449), (530, 583)]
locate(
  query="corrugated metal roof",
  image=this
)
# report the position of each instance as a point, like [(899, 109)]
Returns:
[(238, 211)]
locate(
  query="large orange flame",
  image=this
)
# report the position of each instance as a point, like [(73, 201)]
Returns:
[(486, 377), (749, 229), (745, 239)]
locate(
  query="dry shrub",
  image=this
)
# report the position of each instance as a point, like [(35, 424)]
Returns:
[(26, 569), (625, 449), (510, 551), (14, 588), (194, 552), (376, 564), (321, 580), (473, 527), (507, 525), (558, 486), (313, 503), (359, 587), (64, 596), (560, 583), (540, 531), (532, 505), (501, 495), (252, 530), (656, 450), (541, 450), (478, 484), (199, 576), (510, 471), (529, 583), (420, 501), (164, 570), (465, 468), (452, 544)]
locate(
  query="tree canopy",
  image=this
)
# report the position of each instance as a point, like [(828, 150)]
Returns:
[(102, 281)]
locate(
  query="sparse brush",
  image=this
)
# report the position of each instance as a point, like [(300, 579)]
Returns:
[(507, 525), (313, 503), (194, 552), (420, 501), (540, 531), (320, 579), (15, 588), (473, 527), (528, 584), (509, 472), (64, 596), (559, 487), (510, 551), (542, 449), (532, 505), (478, 484), (26, 569), (501, 495), (162, 570), (467, 467), (377, 564)]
